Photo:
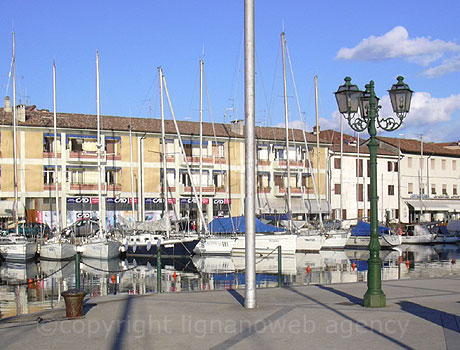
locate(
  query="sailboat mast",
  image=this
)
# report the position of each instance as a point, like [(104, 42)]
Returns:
[(15, 145), (131, 169), (318, 155), (163, 147), (201, 135), (341, 168), (56, 172), (99, 145), (286, 121)]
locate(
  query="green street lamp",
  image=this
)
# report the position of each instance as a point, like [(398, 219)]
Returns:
[(350, 101)]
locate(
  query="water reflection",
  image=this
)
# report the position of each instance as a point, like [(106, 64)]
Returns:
[(31, 287)]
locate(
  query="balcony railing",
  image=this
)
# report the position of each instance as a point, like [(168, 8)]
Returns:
[(281, 191), (85, 156), (208, 190)]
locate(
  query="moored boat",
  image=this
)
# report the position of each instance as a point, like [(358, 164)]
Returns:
[(17, 248)]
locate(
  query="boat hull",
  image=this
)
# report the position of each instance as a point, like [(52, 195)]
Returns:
[(386, 241), (178, 247), (100, 250), (422, 239), (20, 252), (309, 243), (336, 240), (215, 246), (266, 244), (57, 251)]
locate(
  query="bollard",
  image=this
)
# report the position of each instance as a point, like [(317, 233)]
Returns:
[(280, 267), (159, 269), (77, 270)]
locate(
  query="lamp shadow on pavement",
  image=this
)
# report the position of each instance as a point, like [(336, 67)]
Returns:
[(122, 330), (445, 320), (353, 299), (238, 297)]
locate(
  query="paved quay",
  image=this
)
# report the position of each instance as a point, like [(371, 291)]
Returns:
[(420, 314)]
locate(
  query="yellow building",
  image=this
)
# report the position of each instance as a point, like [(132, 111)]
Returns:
[(132, 168)]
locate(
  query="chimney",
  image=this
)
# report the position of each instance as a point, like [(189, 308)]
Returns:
[(314, 130), (237, 126), (21, 113), (7, 105)]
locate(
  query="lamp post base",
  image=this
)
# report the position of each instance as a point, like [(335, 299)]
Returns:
[(375, 299)]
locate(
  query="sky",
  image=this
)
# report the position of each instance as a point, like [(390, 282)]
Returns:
[(365, 40)]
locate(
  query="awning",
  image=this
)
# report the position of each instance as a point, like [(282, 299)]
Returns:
[(449, 205), (270, 205), (312, 206), (6, 209)]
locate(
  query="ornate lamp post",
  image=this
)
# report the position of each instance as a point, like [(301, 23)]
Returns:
[(349, 100)]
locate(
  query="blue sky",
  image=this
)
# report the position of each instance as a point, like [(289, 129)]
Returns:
[(366, 40)]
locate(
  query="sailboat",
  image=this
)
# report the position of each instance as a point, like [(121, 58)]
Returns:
[(57, 248), (148, 237), (16, 247), (100, 245)]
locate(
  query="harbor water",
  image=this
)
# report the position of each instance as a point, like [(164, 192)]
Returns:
[(36, 286)]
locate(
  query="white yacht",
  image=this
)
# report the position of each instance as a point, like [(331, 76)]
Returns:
[(99, 247), (416, 234), (57, 248), (17, 248), (360, 236)]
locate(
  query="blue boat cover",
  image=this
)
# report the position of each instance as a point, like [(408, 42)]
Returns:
[(237, 224), (364, 229)]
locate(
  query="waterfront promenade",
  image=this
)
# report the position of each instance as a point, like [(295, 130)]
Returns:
[(420, 314)]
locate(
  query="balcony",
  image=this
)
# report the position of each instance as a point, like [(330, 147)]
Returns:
[(105, 188), (51, 154), (85, 156), (282, 191), (208, 162), (51, 187), (264, 189), (112, 156), (282, 164), (188, 190)]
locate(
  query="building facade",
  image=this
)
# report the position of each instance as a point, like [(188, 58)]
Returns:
[(131, 169)]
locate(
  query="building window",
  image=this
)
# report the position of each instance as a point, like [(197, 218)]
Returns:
[(360, 193), (360, 214), (444, 189), (443, 164), (337, 163), (368, 192), (395, 167), (433, 163), (218, 150), (218, 179), (111, 176), (433, 189), (454, 190), (368, 168), (359, 167), (48, 143), (344, 214), (112, 146), (390, 166), (48, 176), (409, 162), (279, 180), (337, 189), (410, 188), (391, 190), (454, 164)]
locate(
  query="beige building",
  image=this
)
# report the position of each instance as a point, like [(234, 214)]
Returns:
[(132, 168)]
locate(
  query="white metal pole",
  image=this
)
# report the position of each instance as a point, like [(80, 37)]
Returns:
[(132, 171), (15, 143), (163, 147), (99, 145), (318, 152), (249, 106), (286, 121), (56, 171)]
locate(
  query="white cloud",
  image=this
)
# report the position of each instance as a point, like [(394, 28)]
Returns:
[(425, 109), (449, 65), (430, 116), (396, 43)]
